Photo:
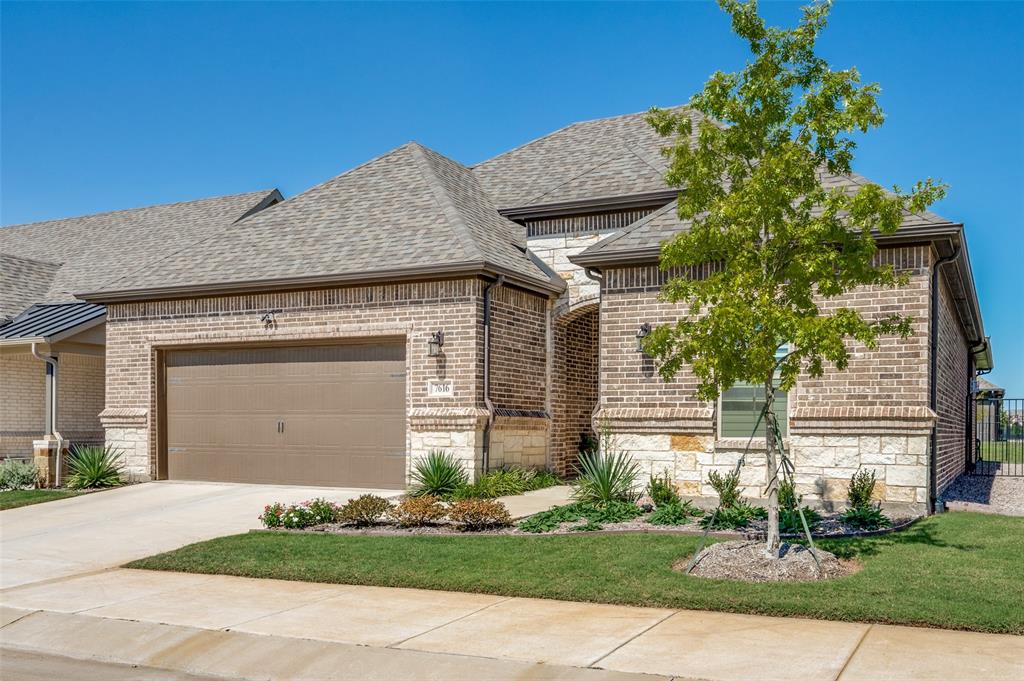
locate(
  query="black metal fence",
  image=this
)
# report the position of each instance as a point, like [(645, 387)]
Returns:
[(997, 447)]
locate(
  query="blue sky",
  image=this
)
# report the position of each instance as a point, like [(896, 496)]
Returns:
[(110, 105)]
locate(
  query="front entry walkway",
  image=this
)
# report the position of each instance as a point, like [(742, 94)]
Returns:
[(107, 529), (259, 628)]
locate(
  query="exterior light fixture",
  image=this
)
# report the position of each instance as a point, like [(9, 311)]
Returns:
[(643, 332), (435, 343)]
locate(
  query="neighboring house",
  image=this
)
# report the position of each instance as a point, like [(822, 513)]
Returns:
[(413, 304), (990, 417), (52, 368)]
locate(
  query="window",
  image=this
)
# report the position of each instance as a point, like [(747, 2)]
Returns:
[(741, 404)]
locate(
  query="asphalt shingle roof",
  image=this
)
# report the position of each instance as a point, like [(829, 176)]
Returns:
[(84, 253), (608, 157), (409, 209), (23, 281), (651, 231)]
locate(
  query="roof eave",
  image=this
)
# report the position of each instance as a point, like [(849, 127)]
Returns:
[(590, 205), (322, 281)]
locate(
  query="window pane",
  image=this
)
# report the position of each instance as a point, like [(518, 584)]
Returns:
[(742, 404)]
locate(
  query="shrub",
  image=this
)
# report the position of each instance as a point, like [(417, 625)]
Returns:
[(367, 509), (295, 516), (504, 482), (865, 517), (732, 517), (438, 475), (613, 512), (323, 511), (16, 474), (417, 511), (788, 498), (678, 513), (479, 514), (862, 486), (789, 520), (662, 490), (606, 476), (94, 467), (727, 487)]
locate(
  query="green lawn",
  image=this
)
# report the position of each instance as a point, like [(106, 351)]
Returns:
[(23, 497), (957, 570)]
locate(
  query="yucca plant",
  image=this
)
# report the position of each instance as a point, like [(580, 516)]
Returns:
[(438, 475), (606, 475), (94, 466)]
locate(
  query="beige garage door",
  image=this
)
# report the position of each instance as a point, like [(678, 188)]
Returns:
[(324, 415)]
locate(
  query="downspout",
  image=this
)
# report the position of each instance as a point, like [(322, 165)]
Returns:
[(51, 407), (486, 459), (933, 385)]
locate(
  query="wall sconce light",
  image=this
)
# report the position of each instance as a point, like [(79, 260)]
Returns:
[(269, 320), (435, 343), (643, 332)]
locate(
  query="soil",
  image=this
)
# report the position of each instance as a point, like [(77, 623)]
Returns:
[(746, 561)]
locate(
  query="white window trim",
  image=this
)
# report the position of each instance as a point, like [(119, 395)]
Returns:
[(719, 413)]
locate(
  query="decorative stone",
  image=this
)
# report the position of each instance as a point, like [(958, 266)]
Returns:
[(894, 445), (911, 476), (688, 443)]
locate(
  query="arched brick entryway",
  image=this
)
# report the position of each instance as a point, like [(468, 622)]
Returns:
[(574, 382)]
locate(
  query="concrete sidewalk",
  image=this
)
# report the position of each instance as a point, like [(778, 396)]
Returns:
[(522, 505), (250, 628)]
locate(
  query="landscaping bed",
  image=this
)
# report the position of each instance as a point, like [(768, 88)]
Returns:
[(957, 570)]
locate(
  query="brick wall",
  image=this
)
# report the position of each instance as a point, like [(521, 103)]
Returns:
[(953, 386), (873, 414), (23, 400), (518, 350), (574, 384), (22, 403), (412, 310)]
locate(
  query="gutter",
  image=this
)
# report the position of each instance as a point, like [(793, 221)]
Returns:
[(418, 273), (51, 407), (486, 459), (933, 385)]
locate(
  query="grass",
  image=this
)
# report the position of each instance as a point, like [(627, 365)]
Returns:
[(1002, 451), (956, 571), (24, 497)]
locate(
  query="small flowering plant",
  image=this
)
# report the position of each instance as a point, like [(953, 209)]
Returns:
[(295, 516)]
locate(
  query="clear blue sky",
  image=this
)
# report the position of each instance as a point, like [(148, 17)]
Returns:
[(112, 105)]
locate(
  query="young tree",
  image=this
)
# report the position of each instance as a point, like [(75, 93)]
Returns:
[(754, 190)]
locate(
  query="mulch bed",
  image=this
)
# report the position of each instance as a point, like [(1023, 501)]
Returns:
[(746, 561)]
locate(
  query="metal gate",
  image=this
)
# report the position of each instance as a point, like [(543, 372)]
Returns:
[(997, 447)]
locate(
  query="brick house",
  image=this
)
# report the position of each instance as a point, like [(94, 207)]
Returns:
[(52, 345), (413, 304)]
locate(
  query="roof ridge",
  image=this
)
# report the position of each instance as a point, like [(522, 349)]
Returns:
[(129, 210), (444, 201), (583, 173), (35, 261), (566, 127)]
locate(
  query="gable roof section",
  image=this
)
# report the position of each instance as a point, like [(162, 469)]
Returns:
[(642, 240), (409, 213), (23, 281), (608, 157), (84, 253), (51, 323)]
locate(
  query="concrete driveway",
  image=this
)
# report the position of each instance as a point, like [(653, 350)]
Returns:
[(106, 529)]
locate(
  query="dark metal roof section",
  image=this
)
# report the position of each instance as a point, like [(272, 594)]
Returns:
[(51, 323)]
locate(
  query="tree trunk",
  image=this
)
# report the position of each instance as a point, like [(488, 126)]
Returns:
[(771, 548)]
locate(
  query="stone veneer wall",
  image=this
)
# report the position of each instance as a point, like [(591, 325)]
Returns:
[(136, 331), (23, 400), (874, 415)]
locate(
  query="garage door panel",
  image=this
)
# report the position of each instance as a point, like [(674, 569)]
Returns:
[(342, 409)]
